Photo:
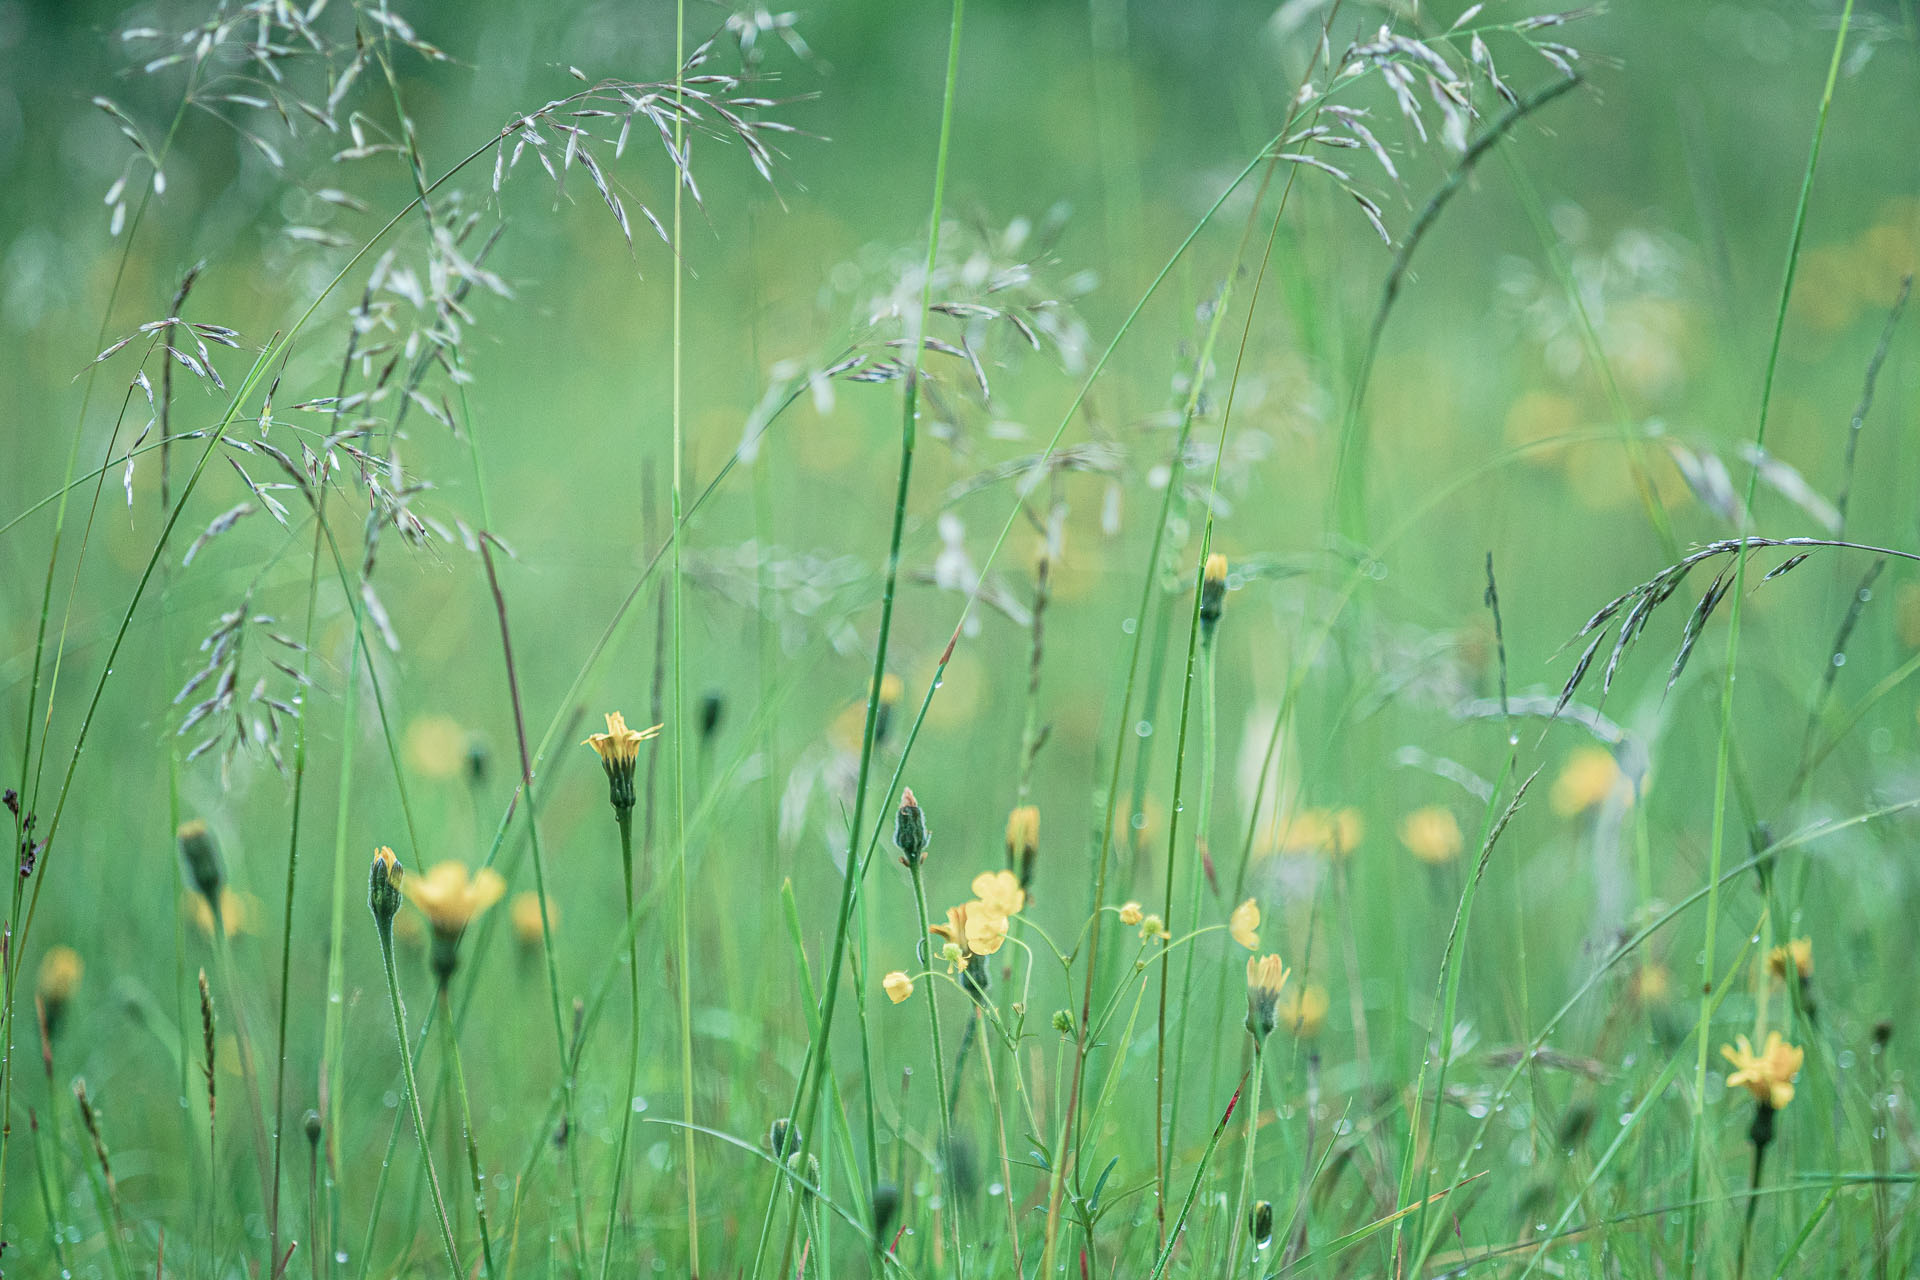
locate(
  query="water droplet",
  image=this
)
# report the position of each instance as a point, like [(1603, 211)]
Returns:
[(1144, 729), (1127, 626)]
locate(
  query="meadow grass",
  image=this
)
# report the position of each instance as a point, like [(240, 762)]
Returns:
[(1197, 836)]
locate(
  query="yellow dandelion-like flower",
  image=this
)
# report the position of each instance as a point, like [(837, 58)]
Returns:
[(60, 972), (1266, 975), (1000, 891), (1432, 834), (237, 913), (436, 747), (451, 898), (1798, 953), (1303, 1009), (1130, 914), (619, 750), (527, 925), (1334, 831), (898, 985), (1023, 832), (1650, 984), (1767, 1075), (1244, 924), (1590, 775)]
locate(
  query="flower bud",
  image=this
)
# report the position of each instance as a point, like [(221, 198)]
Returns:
[(910, 830), (783, 1138), (383, 887), (310, 1122), (1213, 591), (201, 858), (1023, 841)]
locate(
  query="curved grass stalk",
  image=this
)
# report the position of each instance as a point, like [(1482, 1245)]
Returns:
[(413, 1098)]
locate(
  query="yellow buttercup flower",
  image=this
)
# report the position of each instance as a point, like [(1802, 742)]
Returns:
[(1266, 975), (1000, 891), (1244, 924), (898, 985), (1768, 1075), (1130, 914), (1798, 953), (1432, 834), (1023, 831), (954, 932), (525, 913), (452, 899), (1590, 775), (986, 929), (60, 972), (1303, 1009)]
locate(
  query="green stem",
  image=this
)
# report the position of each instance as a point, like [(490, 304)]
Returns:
[(940, 1076), (451, 1037), (1237, 1227), (413, 1098), (625, 819)]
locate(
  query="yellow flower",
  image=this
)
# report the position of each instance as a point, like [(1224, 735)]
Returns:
[(1130, 914), (986, 929), (436, 747), (450, 898), (1798, 953), (1000, 892), (619, 750), (1590, 775), (1335, 831), (899, 986), (1431, 834), (1650, 985), (1303, 1009), (1023, 832), (1244, 924), (1767, 1075), (525, 912), (60, 972), (954, 931), (237, 912), (1266, 975)]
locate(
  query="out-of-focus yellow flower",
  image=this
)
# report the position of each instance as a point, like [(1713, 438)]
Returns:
[(1000, 892), (1130, 914), (1798, 952), (527, 925), (1650, 984), (1334, 831), (1590, 775), (60, 972), (1432, 834), (1767, 1075), (1541, 415), (1244, 924), (1266, 975), (1303, 1010), (436, 747), (1023, 833), (238, 912), (451, 898), (898, 985)]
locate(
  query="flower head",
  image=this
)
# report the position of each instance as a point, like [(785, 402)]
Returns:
[(1152, 927), (201, 858), (1213, 591), (1244, 924), (435, 747), (972, 929), (384, 879), (1303, 1009), (1266, 975), (910, 832), (237, 912), (451, 899), (619, 751), (60, 972), (1590, 775), (1768, 1075), (898, 985), (1000, 891), (529, 927), (1130, 913), (1432, 834), (1023, 840), (1650, 984), (1798, 952), (1334, 831)]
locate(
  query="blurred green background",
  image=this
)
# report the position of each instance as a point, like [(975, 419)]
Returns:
[(1088, 141)]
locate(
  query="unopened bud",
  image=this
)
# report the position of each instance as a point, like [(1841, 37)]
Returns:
[(1213, 591), (910, 830), (201, 858), (383, 887)]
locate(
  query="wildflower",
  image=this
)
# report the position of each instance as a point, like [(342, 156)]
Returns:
[(1130, 914), (451, 899), (1303, 1010), (384, 879), (898, 985), (1768, 1075), (1266, 975), (1023, 841), (986, 929), (1432, 834), (954, 934), (1334, 831), (910, 833), (201, 858), (1000, 891), (1798, 953), (237, 912), (890, 689), (529, 927), (619, 751), (1244, 924), (1590, 775), (1152, 927), (60, 972), (1650, 984), (1213, 592), (434, 747)]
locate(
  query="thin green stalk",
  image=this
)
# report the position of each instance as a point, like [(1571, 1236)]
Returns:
[(413, 1097), (1236, 1226), (451, 1037), (1209, 710), (624, 817), (1723, 751), (940, 1078)]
